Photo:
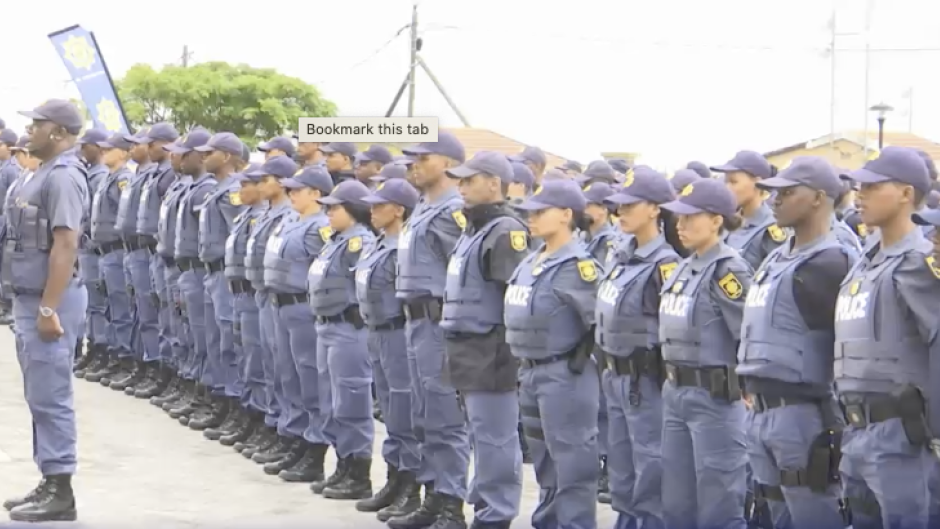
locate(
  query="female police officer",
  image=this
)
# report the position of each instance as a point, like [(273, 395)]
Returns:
[(703, 453), (601, 237), (342, 350), (549, 314), (627, 332)]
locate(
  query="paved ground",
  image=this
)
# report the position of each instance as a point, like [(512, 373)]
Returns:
[(139, 468)]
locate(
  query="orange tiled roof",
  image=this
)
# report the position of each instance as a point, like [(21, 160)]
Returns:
[(898, 139)]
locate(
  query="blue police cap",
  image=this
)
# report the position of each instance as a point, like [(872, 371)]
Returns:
[(933, 199), (246, 174), (530, 154), (280, 143), (750, 162), (279, 166), (21, 144), (597, 192), (313, 177), (813, 172), (347, 192), (563, 194), (403, 161), (376, 153), (699, 168), (161, 132), (92, 136), (394, 191), (598, 170), (59, 111), (619, 164), (189, 142), (555, 175), (521, 174), (446, 145), (928, 161), (684, 177), (486, 162), (391, 171), (225, 142), (927, 217), (8, 137), (346, 148), (705, 195), (116, 141), (571, 165), (645, 184), (137, 136), (895, 164)]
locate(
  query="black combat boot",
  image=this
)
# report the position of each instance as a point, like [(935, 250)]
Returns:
[(266, 440), (104, 369), (337, 476), (97, 357), (147, 374), (186, 393), (170, 393), (524, 446), (221, 407), (357, 485), (309, 468), (293, 455), (160, 380), (422, 517), (406, 501), (190, 405), (260, 430), (30, 496), (252, 422), (275, 452), (234, 417), (384, 497), (55, 503), (126, 367), (489, 525), (451, 514), (205, 405), (82, 361), (603, 484)]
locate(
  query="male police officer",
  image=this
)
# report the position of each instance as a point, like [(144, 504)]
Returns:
[(533, 158), (340, 156), (370, 163), (308, 153), (479, 363), (40, 268), (279, 146)]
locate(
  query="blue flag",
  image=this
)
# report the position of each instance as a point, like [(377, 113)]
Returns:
[(80, 53)]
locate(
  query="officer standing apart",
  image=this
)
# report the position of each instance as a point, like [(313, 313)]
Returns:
[(704, 457), (424, 248), (549, 318), (627, 333), (479, 363), (40, 257), (886, 343), (785, 356)]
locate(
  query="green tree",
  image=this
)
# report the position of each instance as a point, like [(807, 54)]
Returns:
[(254, 103), (81, 108)]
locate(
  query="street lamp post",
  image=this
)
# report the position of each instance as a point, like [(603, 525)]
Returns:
[(881, 109)]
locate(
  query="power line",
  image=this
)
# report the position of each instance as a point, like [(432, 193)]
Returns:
[(375, 53)]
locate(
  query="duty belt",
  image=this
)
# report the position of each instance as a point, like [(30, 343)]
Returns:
[(423, 309), (761, 403), (349, 315), (241, 286), (861, 410), (720, 382), (140, 242), (642, 362), (529, 363), (186, 264), (215, 266), (284, 300), (105, 248), (393, 324)]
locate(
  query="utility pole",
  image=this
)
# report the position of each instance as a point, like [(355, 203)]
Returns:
[(869, 6), (414, 60), (186, 56), (832, 78)]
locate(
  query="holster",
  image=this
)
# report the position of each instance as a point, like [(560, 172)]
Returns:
[(582, 353), (912, 409)]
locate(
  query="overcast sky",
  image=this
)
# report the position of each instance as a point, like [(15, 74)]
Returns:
[(674, 80)]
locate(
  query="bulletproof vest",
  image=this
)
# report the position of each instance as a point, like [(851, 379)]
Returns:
[(622, 328), (130, 201), (375, 282), (845, 236), (331, 284), (747, 240), (166, 225), (877, 345), (539, 324), (213, 227), (420, 270), (601, 243), (25, 263), (187, 217), (776, 343), (236, 245), (473, 304), (692, 330), (104, 209), (148, 211), (286, 256), (96, 174), (258, 239)]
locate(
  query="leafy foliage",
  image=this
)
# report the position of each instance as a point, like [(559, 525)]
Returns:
[(253, 103)]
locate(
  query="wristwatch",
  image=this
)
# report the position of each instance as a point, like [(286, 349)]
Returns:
[(46, 312)]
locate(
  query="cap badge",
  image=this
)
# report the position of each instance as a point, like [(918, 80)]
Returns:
[(537, 191), (686, 191), (298, 172), (628, 178), (874, 155), (380, 186), (587, 188)]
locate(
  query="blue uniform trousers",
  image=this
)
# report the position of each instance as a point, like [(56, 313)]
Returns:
[(390, 371), (445, 448), (296, 336), (559, 419), (634, 460), (248, 349), (268, 345), (47, 377), (193, 292), (164, 335), (221, 364), (138, 265), (96, 323), (176, 333), (349, 424), (704, 455), (496, 488), (880, 464), (121, 308)]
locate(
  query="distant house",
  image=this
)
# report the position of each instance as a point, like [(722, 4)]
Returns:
[(847, 150)]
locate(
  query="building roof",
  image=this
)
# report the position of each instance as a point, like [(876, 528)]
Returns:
[(898, 139)]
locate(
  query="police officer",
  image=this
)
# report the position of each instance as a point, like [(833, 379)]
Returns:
[(390, 171), (785, 354), (291, 249), (597, 171), (885, 333), (28, 164), (570, 168), (523, 183), (216, 216), (627, 323), (601, 236), (533, 158), (704, 479), (340, 157), (698, 168), (342, 348), (549, 317), (409, 164), (279, 146), (759, 234), (621, 166), (424, 248), (40, 257), (10, 170), (269, 176), (479, 363), (392, 201), (932, 203), (370, 162), (95, 323), (309, 153), (683, 177)]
